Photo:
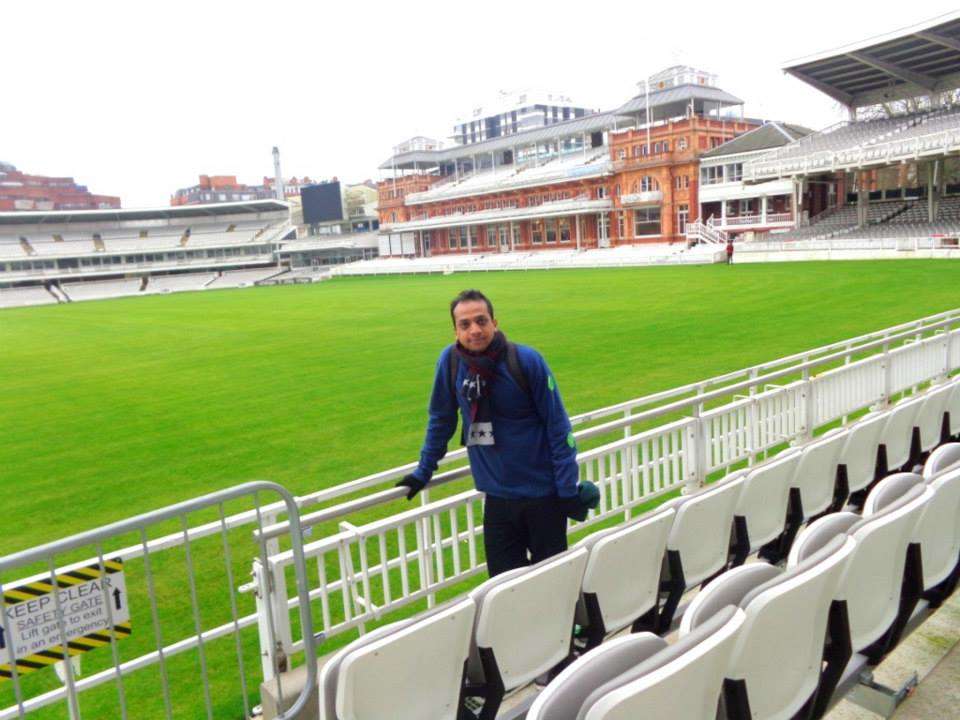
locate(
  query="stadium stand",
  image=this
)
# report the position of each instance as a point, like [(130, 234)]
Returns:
[(114, 249), (21, 296), (621, 256), (771, 642)]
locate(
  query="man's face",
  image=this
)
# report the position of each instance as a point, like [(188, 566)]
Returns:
[(473, 325)]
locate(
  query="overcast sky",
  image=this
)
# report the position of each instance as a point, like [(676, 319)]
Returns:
[(137, 100)]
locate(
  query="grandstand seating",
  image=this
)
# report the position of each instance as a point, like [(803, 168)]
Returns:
[(863, 141), (102, 289), (241, 278), (21, 296), (622, 256), (572, 165), (178, 283), (792, 639)]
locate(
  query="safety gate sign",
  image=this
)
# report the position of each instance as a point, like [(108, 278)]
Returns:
[(88, 606)]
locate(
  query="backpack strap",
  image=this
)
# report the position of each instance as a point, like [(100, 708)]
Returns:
[(516, 370)]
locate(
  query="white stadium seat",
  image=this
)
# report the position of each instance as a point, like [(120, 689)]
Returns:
[(938, 533), (930, 417), (641, 676), (761, 513), (816, 476), (872, 581), (416, 665), (621, 581), (524, 626), (698, 545), (897, 435), (775, 665), (953, 407), (943, 458), (859, 453)]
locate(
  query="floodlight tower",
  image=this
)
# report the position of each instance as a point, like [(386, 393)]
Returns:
[(277, 177)]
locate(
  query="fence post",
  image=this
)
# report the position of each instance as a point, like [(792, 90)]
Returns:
[(806, 397), (887, 377), (697, 437), (268, 651)]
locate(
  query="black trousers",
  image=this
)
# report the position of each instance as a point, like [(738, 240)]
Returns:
[(517, 533)]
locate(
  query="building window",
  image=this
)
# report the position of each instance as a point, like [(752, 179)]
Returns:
[(621, 154), (564, 225), (601, 192), (536, 232), (473, 236), (734, 172), (711, 175), (646, 221), (683, 212), (647, 184), (551, 231), (621, 225)]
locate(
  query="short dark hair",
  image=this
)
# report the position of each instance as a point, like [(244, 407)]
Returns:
[(468, 296)]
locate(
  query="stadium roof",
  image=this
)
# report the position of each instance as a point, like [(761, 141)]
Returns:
[(916, 61), (567, 128), (40, 217), (768, 136), (671, 102)]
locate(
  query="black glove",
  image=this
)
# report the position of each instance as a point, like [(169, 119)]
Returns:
[(586, 499), (413, 485)]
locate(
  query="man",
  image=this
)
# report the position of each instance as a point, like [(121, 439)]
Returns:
[(729, 251), (522, 452)]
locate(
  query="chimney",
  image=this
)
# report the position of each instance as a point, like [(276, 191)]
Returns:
[(278, 178)]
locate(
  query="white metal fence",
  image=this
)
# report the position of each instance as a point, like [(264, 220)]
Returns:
[(362, 573), (359, 572)]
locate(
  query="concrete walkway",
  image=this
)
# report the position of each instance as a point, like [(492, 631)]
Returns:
[(932, 651)]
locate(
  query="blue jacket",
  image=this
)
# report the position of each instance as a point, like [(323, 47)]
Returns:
[(535, 453)]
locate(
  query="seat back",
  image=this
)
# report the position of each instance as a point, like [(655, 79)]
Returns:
[(526, 618), (764, 496), (930, 417), (778, 683), (953, 407), (898, 431), (701, 529), (816, 475), (872, 580), (859, 452), (938, 531), (405, 689), (565, 695), (888, 491), (623, 567), (681, 681), (790, 611), (944, 457)]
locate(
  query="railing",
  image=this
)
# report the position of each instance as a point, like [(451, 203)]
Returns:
[(366, 572), (768, 219), (705, 232), (180, 612), (363, 572)]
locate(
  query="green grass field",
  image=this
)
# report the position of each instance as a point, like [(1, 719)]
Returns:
[(116, 407)]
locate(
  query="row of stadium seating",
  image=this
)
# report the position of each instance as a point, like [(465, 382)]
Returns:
[(862, 137), (155, 284), (885, 219), (878, 553), (621, 256), (508, 176), (18, 248)]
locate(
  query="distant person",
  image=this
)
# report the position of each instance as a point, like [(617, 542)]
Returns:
[(518, 436), (729, 251)]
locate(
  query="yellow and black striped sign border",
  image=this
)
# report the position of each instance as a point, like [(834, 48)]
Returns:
[(22, 593), (48, 657), (86, 643)]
